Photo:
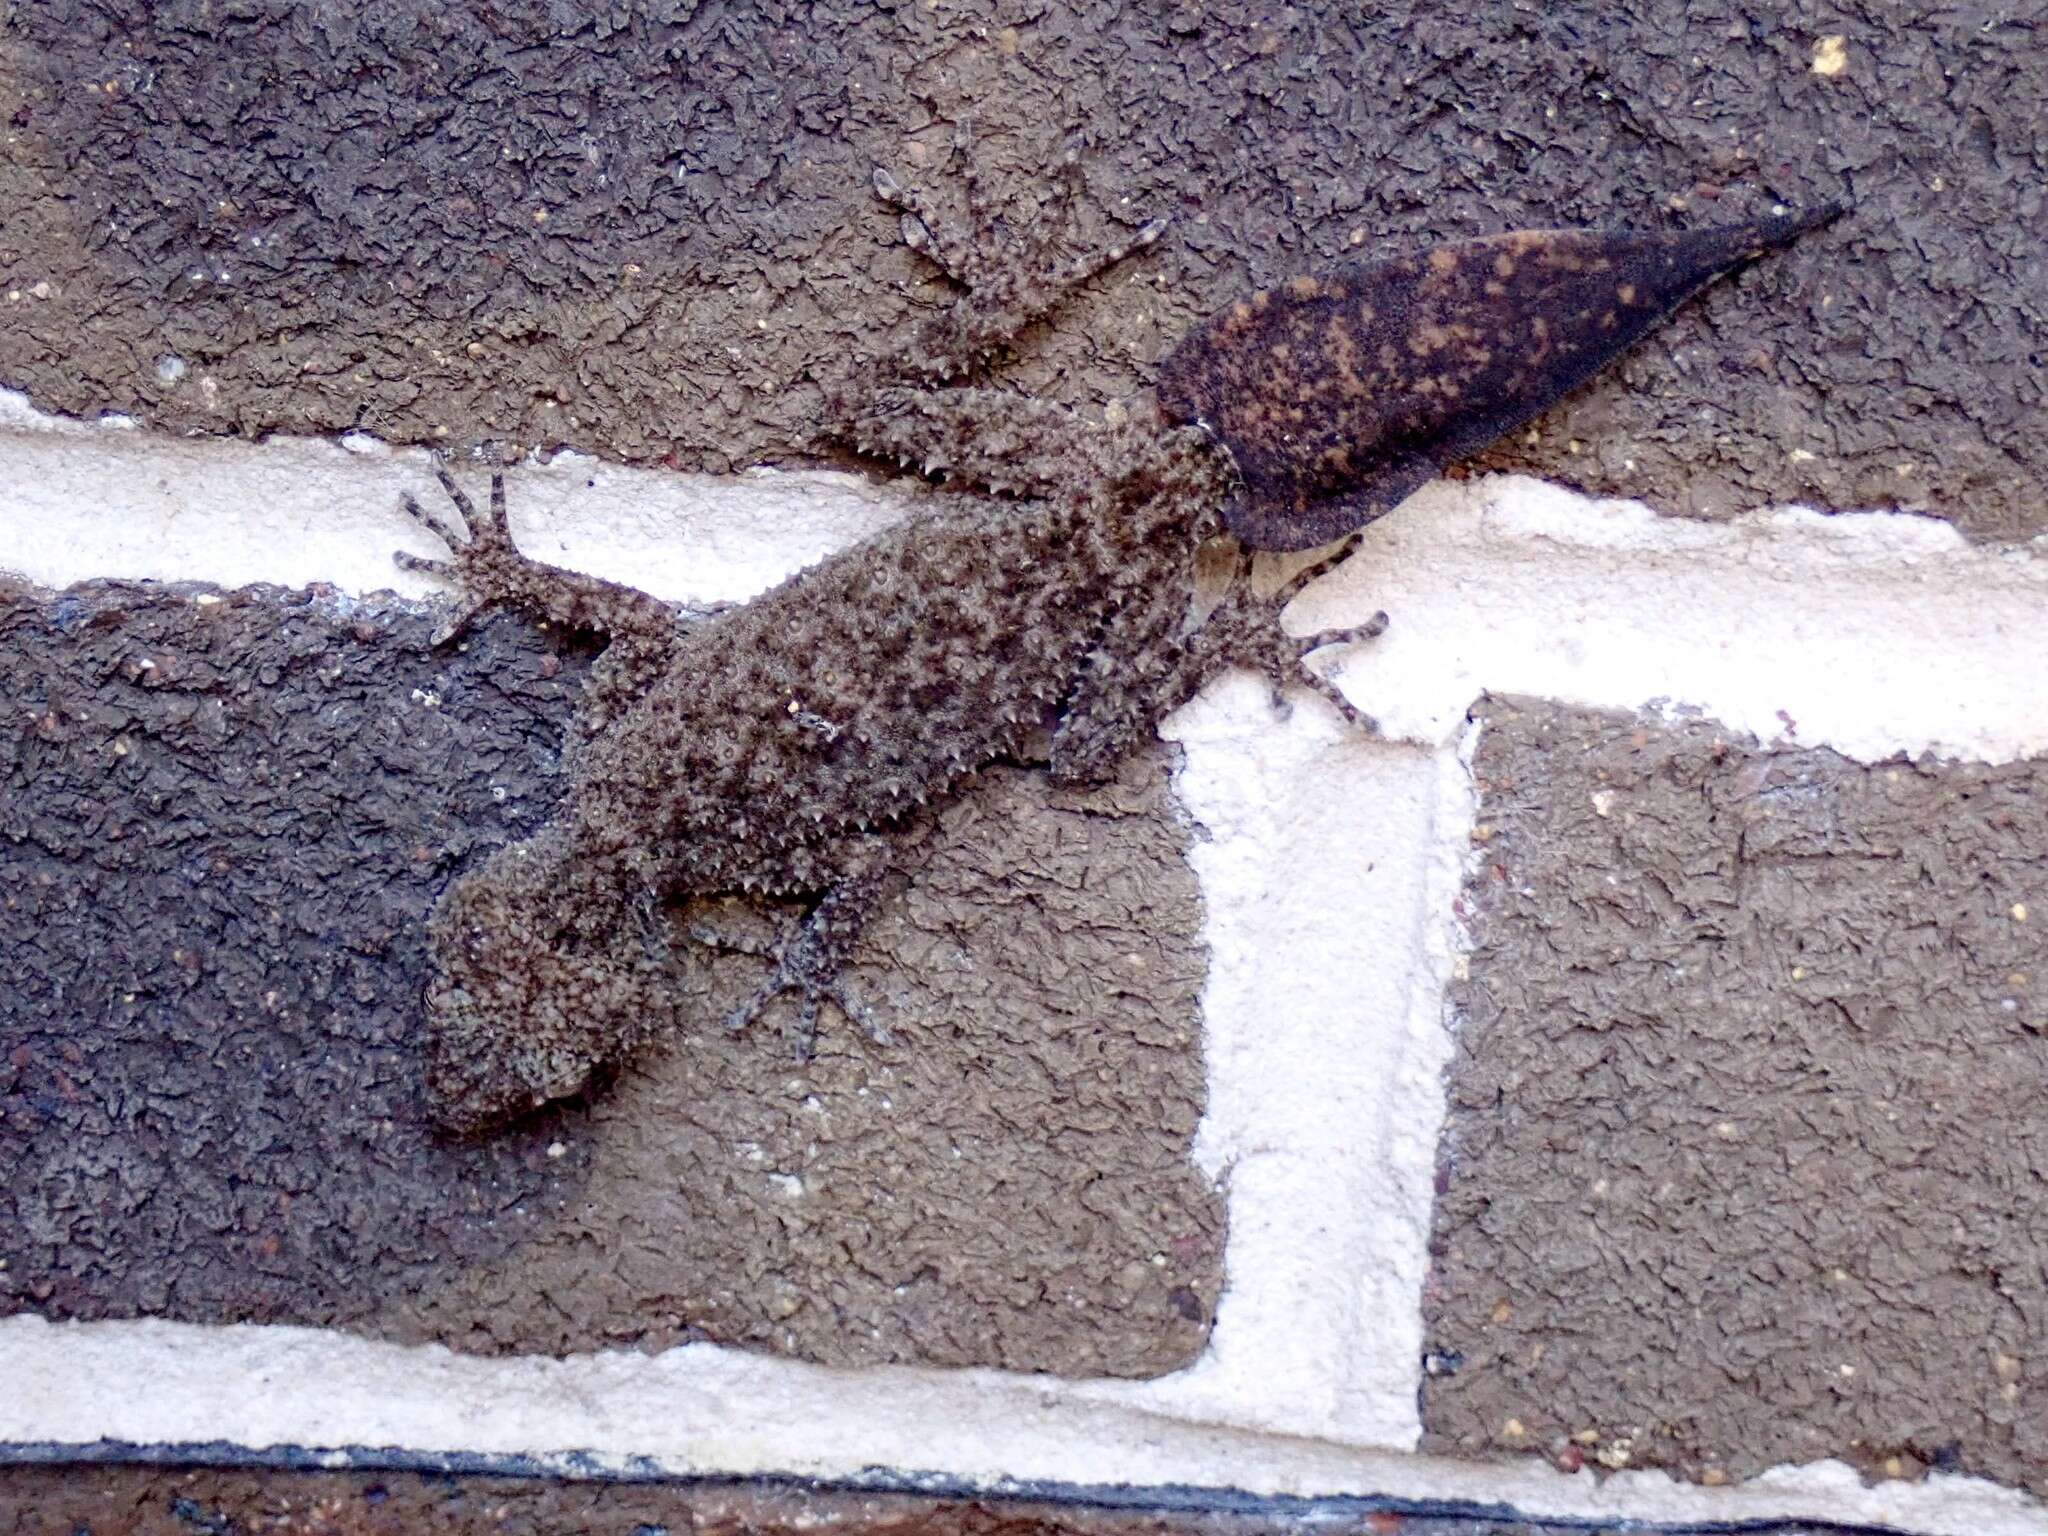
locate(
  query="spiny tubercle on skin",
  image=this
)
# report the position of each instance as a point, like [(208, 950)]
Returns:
[(794, 747)]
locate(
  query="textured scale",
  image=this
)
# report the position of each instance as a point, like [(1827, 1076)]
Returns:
[(1337, 395), (859, 686)]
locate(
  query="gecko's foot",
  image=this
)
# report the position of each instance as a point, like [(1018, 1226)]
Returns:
[(484, 566), (808, 960), (1009, 282), (1245, 629)]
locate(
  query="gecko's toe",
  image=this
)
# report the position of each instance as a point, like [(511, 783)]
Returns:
[(858, 1013), (739, 1020), (1338, 698), (792, 973), (1355, 634), (455, 492), (427, 520), (406, 560), (815, 997)]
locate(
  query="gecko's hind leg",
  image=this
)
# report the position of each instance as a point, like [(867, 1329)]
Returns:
[(1148, 663), (1245, 630), (1008, 284), (808, 960)]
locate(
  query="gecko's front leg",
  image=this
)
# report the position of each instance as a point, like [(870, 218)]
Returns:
[(488, 570)]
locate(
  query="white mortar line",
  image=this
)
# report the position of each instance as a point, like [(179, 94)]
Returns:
[(83, 500), (701, 1409), (1325, 1094), (1324, 1080), (1871, 633), (1310, 1069)]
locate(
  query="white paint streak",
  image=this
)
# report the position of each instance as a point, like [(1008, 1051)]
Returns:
[(1872, 634)]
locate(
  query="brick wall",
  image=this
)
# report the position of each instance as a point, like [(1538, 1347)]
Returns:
[(1607, 1096)]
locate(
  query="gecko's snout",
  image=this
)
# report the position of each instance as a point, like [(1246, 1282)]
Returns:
[(529, 994)]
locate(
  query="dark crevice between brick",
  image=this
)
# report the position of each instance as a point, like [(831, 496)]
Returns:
[(880, 1499)]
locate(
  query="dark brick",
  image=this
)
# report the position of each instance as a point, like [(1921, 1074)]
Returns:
[(223, 819), (650, 235)]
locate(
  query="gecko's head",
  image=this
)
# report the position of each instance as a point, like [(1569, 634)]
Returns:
[(533, 988)]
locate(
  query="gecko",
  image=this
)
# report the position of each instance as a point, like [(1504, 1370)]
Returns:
[(798, 745)]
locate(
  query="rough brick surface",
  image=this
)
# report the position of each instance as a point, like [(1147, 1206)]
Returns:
[(650, 235), (1745, 1161), (222, 821)]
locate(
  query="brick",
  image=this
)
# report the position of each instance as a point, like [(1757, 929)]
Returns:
[(655, 241), (223, 819), (1744, 1161)]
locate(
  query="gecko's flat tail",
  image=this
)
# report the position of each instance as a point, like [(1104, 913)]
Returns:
[(1703, 254), (1337, 394)]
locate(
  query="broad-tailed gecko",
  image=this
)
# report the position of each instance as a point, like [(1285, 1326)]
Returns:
[(794, 746)]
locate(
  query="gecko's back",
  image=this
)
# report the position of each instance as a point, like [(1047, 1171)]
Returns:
[(846, 697)]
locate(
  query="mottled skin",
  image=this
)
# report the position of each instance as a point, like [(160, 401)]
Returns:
[(794, 746), (1339, 394)]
